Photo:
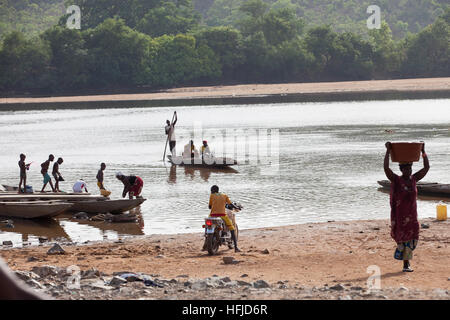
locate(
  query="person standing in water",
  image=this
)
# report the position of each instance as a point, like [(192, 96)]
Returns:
[(44, 171), (403, 201), (170, 130), (23, 173), (56, 174)]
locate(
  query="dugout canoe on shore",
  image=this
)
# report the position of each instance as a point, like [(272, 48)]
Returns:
[(425, 188), (50, 197), (6, 189), (33, 209), (106, 206)]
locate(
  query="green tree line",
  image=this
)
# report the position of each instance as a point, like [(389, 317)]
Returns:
[(403, 16), (161, 44)]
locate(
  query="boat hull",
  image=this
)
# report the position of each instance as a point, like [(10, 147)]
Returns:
[(425, 188), (49, 197), (106, 206), (199, 163), (33, 210)]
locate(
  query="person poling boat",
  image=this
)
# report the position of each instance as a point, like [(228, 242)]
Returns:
[(132, 185), (403, 201), (170, 132)]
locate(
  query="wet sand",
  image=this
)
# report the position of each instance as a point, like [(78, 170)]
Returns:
[(256, 90), (310, 255)]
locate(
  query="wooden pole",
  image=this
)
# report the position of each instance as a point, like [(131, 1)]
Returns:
[(167, 140)]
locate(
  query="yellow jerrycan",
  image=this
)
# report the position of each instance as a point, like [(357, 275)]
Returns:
[(441, 211)]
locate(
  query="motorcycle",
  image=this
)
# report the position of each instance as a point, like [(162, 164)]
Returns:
[(216, 231)]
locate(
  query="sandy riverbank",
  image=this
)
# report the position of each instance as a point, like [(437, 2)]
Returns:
[(299, 261), (256, 90)]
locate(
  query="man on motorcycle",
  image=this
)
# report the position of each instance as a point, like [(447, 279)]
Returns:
[(217, 202)]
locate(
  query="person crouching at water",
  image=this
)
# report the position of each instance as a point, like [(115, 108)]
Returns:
[(79, 186), (132, 185), (403, 200), (44, 171), (23, 173), (217, 202)]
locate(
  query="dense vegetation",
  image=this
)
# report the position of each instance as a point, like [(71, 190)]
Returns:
[(343, 15), (161, 43), (35, 16), (29, 16)]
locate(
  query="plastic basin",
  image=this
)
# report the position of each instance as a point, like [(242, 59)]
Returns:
[(406, 151)]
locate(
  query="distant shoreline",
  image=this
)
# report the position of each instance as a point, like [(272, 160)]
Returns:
[(426, 88)]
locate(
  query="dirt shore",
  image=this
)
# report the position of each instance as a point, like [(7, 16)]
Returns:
[(255, 90), (312, 261)]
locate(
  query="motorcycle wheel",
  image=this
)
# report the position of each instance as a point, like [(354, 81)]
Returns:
[(212, 245)]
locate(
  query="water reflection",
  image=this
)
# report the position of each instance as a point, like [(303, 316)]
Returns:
[(30, 229)]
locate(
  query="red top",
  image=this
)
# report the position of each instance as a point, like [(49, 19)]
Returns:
[(403, 199)]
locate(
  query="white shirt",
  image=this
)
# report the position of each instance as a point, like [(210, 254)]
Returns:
[(171, 132), (79, 186)]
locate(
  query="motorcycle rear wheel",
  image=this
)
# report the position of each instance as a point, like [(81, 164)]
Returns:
[(212, 244)]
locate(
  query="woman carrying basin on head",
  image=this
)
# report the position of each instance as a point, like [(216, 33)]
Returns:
[(403, 200)]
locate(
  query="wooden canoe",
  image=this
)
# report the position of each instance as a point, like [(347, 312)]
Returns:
[(424, 188), (49, 197), (218, 162), (106, 206), (14, 190), (33, 209)]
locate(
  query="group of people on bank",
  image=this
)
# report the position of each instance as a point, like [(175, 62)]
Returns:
[(132, 184)]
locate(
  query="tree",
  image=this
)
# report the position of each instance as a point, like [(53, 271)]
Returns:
[(428, 53), (168, 19), (23, 63), (177, 60), (280, 25), (321, 42), (69, 57), (226, 43), (289, 61), (387, 53), (94, 12), (118, 55)]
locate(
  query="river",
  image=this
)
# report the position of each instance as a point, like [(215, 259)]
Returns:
[(328, 159)]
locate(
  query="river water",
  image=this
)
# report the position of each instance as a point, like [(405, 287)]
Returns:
[(325, 158)]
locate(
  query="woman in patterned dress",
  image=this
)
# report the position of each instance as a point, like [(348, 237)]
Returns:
[(403, 200)]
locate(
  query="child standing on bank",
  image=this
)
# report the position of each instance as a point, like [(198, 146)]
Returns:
[(23, 173)]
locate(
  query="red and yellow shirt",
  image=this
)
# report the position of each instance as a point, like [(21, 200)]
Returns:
[(217, 202)]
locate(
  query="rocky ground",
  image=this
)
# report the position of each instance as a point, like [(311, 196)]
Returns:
[(331, 260), (93, 285)]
